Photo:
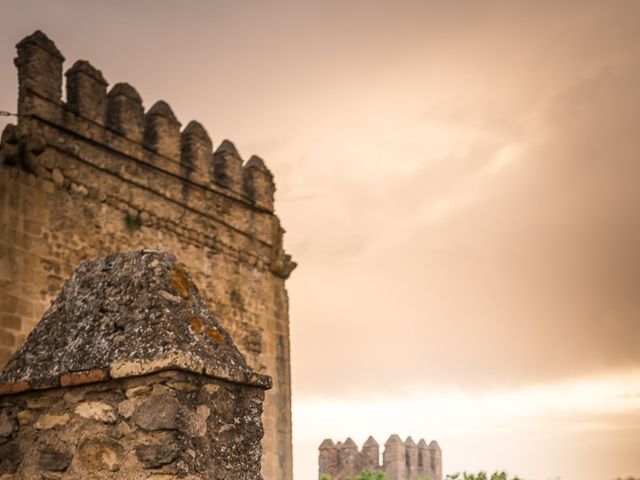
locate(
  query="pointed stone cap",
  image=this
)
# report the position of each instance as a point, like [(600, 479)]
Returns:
[(227, 147), (326, 444), (371, 442), (349, 443), (196, 129), (41, 40), (422, 443), (394, 440), (162, 109), (82, 66), (434, 445), (126, 315), (409, 442), (257, 163), (125, 90)]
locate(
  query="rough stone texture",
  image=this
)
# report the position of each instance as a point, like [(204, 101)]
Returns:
[(76, 184), (401, 460), (88, 448), (123, 315), (174, 399)]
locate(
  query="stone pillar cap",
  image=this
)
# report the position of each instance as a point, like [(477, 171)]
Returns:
[(394, 440), (371, 442), (41, 40), (327, 443), (126, 315)]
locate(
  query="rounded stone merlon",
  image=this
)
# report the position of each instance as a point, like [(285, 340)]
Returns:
[(326, 444), (371, 442), (125, 90), (422, 443), (196, 129), (349, 443), (162, 109), (409, 442), (394, 440), (434, 445), (227, 148), (257, 163), (82, 66), (41, 40), (9, 134)]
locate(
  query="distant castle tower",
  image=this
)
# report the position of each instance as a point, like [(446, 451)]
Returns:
[(400, 460)]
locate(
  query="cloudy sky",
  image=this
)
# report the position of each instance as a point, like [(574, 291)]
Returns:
[(460, 184)]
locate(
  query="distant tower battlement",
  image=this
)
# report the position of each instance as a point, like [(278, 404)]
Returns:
[(92, 172), (401, 460)]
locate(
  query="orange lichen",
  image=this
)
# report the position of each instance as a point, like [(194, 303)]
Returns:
[(196, 324), (180, 282), (214, 335)]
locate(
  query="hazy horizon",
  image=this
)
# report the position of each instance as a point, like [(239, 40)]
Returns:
[(459, 182)]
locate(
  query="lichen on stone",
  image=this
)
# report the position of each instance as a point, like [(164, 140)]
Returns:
[(128, 314)]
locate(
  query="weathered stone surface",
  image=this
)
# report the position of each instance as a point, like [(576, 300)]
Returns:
[(46, 421), (24, 417), (127, 407), (38, 403), (54, 460), (98, 411), (200, 432), (160, 412), (157, 455), (98, 454), (197, 421), (7, 424), (137, 391), (10, 457), (114, 301)]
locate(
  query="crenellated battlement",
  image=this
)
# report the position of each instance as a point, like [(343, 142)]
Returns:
[(117, 120), (88, 170), (400, 460)]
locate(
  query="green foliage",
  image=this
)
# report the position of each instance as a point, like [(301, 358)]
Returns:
[(480, 476), (369, 475), (325, 477)]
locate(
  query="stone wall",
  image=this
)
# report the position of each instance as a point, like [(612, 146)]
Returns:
[(165, 425), (95, 173)]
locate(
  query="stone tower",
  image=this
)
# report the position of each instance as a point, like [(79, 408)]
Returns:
[(348, 460), (94, 172), (394, 459), (370, 455), (328, 459), (435, 460), (401, 460), (411, 457), (129, 375)]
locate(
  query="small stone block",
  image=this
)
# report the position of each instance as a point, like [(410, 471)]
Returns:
[(81, 378), (12, 388)]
